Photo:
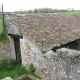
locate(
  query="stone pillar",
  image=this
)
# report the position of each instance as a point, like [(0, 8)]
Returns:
[(12, 46)]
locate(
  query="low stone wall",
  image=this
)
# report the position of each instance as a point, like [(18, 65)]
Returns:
[(5, 51), (62, 65)]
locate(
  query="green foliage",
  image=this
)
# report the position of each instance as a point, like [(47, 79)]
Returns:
[(13, 69), (41, 10), (2, 65), (71, 12), (36, 76), (50, 10), (17, 72), (3, 37), (32, 70), (1, 28)]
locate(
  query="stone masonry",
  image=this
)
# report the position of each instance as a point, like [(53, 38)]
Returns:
[(62, 65), (5, 51)]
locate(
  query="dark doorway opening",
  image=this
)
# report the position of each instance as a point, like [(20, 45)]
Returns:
[(17, 49), (71, 45)]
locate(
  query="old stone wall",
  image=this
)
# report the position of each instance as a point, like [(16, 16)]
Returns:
[(59, 66), (5, 51), (62, 65)]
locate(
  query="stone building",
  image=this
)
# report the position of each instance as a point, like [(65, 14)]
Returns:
[(34, 38)]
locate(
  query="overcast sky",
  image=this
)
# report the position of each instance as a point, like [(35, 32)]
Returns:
[(14, 5)]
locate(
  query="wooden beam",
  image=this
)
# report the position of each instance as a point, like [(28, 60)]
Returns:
[(17, 36), (3, 18)]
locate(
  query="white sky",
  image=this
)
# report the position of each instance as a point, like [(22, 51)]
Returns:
[(14, 5)]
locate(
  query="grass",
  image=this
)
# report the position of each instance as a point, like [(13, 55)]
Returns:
[(32, 71), (3, 36), (1, 29), (12, 69), (71, 12)]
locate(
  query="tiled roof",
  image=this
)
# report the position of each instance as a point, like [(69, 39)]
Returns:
[(48, 29)]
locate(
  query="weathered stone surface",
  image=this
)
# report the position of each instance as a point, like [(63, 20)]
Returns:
[(40, 29), (45, 28), (7, 78), (5, 51), (52, 66), (22, 77), (62, 52)]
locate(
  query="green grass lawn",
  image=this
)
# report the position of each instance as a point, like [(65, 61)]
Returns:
[(12, 69), (3, 36), (71, 12), (1, 26)]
